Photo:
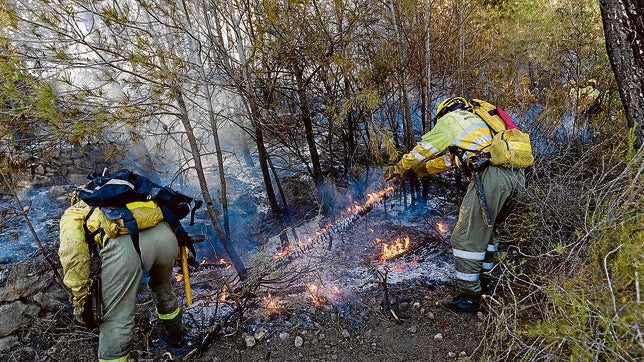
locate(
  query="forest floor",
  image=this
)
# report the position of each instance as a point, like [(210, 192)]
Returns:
[(339, 301)]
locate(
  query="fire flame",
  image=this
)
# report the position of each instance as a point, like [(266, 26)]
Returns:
[(224, 263), (442, 228), (283, 252), (314, 294), (355, 209), (395, 248), (273, 305), (178, 277), (225, 293)]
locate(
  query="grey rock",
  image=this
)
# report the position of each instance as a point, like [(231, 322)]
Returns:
[(299, 341), (261, 333), (15, 315), (284, 336), (250, 341)]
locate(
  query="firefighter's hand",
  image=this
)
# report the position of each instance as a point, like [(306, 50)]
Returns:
[(84, 313), (79, 311), (390, 173), (409, 175)]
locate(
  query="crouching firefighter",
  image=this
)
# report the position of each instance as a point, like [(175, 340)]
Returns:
[(461, 138), (108, 252)]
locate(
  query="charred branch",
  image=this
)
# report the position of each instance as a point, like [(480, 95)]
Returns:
[(325, 236)]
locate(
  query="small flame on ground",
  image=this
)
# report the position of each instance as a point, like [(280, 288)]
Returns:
[(224, 263), (284, 251), (178, 277), (395, 248), (273, 305), (224, 294), (314, 294), (442, 228)]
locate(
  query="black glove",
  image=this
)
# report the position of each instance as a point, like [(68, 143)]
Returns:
[(409, 175)]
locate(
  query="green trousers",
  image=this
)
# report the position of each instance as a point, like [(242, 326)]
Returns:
[(473, 243), (121, 277)]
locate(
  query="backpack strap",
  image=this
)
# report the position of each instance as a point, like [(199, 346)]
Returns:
[(90, 236), (129, 222)]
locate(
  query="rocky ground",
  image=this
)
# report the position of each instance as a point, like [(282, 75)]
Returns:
[(338, 301)]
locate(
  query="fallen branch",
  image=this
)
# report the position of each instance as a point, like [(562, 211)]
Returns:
[(325, 236)]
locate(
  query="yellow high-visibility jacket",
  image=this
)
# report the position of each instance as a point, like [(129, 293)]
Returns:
[(459, 128), (74, 251)]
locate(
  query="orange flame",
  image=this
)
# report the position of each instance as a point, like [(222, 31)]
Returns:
[(395, 248), (284, 251), (314, 294), (273, 305), (225, 293), (442, 228), (224, 263), (178, 277)]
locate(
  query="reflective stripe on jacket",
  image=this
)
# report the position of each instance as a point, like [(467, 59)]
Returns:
[(459, 128), (73, 250)]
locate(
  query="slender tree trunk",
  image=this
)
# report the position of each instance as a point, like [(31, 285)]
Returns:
[(213, 214), (351, 129), (427, 99), (308, 129), (287, 210), (255, 119), (624, 31), (408, 130), (223, 193)]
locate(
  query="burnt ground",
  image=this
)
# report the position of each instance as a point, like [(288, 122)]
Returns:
[(336, 301)]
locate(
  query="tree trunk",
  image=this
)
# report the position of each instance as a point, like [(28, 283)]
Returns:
[(623, 22), (427, 90), (212, 213), (223, 197), (308, 129), (255, 117)]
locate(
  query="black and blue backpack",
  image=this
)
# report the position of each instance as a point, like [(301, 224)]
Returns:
[(111, 192)]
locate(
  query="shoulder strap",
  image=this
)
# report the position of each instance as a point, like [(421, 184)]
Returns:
[(89, 236)]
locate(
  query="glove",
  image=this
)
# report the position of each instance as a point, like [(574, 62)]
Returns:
[(84, 313), (390, 173), (409, 175), (79, 308)]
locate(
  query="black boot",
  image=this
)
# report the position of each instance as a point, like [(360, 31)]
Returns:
[(172, 331), (488, 284), (463, 303)]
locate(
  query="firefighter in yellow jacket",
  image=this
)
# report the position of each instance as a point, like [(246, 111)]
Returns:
[(455, 140), (121, 273)]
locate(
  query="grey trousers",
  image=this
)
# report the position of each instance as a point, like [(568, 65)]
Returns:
[(473, 243), (121, 277)]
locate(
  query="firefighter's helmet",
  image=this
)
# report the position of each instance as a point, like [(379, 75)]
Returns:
[(451, 104)]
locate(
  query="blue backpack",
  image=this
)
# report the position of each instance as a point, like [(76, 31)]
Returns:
[(112, 191)]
